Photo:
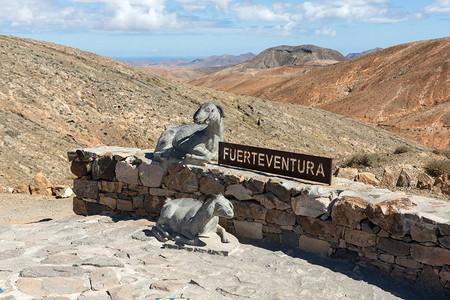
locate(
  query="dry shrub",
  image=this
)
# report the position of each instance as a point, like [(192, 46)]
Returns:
[(438, 167), (401, 149), (445, 152), (364, 160)]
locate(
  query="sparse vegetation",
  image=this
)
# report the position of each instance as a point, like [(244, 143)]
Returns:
[(438, 167), (401, 149), (364, 160), (444, 152)]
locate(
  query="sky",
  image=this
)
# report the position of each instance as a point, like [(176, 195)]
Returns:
[(201, 28)]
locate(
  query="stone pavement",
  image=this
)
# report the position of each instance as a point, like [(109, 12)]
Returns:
[(102, 257)]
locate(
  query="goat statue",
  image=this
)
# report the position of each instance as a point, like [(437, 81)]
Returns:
[(184, 219), (198, 141)]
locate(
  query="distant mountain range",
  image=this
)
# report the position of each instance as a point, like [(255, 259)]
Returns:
[(404, 88), (212, 61), (356, 55)]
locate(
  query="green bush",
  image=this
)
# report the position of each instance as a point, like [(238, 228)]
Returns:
[(438, 167), (364, 160), (401, 149)]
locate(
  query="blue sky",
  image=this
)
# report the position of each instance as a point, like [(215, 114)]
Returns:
[(200, 28)]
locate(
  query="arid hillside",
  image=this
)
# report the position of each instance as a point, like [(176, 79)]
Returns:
[(404, 89), (54, 98)]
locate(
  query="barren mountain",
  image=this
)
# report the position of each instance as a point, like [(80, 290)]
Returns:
[(404, 89), (356, 55), (54, 98), (207, 62)]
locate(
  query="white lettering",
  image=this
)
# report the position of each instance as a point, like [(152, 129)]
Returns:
[(320, 170), (302, 170), (239, 156), (285, 163), (261, 159), (247, 157), (269, 162), (310, 166), (276, 163), (225, 152)]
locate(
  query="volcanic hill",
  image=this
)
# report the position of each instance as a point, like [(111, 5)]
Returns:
[(54, 99), (404, 89)]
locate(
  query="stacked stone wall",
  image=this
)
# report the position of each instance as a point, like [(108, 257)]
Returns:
[(407, 237)]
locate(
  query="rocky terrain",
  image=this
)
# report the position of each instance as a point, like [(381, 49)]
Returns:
[(356, 55), (55, 99), (404, 89)]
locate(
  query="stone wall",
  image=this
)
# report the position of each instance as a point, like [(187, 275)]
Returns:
[(405, 236)]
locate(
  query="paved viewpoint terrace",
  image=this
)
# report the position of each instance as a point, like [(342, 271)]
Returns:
[(103, 257)]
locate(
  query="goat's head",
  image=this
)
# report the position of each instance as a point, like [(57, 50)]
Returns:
[(209, 112), (223, 207)]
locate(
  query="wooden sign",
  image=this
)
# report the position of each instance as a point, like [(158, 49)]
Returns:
[(314, 168)]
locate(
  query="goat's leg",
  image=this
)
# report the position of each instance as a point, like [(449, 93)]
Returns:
[(221, 232), (200, 153), (187, 237), (161, 232)]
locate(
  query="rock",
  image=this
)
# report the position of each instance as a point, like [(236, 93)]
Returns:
[(360, 238), (289, 238), (256, 184), (404, 179), (270, 201), (210, 186), (387, 216), (52, 286), (40, 185), (249, 210), (367, 178), (103, 278), (124, 205), (407, 262), (424, 233), (280, 217), (85, 188), (79, 207), (442, 184), (80, 168), (108, 201), (310, 206), (316, 227), (429, 280), (52, 271), (348, 173), (314, 245), (424, 181), (153, 204), (104, 167), (152, 175), (183, 181), (388, 179), (248, 229), (349, 211), (62, 191), (433, 256), (393, 246), (239, 192), (23, 188), (127, 173), (445, 241), (280, 189), (111, 187), (102, 261)]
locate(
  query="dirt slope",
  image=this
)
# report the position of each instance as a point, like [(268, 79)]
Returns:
[(55, 98), (404, 89)]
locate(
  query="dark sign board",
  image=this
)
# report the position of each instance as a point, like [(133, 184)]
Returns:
[(314, 168)]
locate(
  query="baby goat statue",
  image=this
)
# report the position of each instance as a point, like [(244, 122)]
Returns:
[(184, 219), (198, 141)]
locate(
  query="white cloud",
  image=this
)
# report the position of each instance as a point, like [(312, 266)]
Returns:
[(325, 31), (261, 12), (201, 5), (439, 6)]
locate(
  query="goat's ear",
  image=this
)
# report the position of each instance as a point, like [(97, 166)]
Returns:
[(220, 108)]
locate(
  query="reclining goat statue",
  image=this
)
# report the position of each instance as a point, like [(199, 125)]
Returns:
[(198, 141), (184, 219)]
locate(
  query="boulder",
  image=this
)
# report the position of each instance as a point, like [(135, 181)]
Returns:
[(280, 189), (309, 206), (367, 178), (388, 179), (248, 229), (424, 233), (256, 184), (249, 210), (23, 188), (151, 175), (433, 256), (183, 180), (280, 217), (239, 192), (442, 184), (348, 173), (424, 181), (404, 179), (127, 173), (62, 191), (80, 168), (313, 245), (40, 185), (210, 186), (270, 201), (349, 211), (104, 167)]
